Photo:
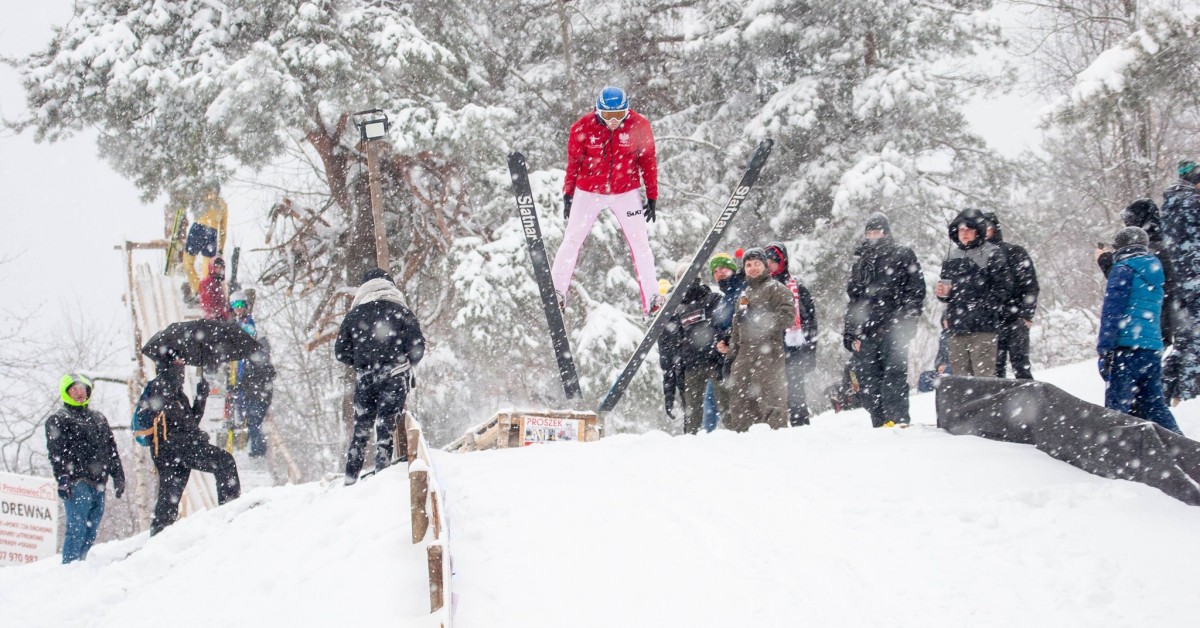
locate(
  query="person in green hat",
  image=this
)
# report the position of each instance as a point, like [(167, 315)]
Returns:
[(83, 454)]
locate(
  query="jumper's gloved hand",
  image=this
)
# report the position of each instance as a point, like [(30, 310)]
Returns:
[(202, 389), (118, 487), (648, 209), (64, 486), (567, 200)]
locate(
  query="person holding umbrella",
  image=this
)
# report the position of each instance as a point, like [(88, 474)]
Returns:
[(170, 426), (381, 338)]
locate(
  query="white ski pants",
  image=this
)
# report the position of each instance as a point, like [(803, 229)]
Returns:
[(627, 208)]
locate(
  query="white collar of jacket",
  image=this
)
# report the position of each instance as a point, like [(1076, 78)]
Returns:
[(377, 290)]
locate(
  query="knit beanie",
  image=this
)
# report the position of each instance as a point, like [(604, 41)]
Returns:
[(1130, 236), (1189, 171), (721, 260), (377, 273), (755, 253), (878, 221)]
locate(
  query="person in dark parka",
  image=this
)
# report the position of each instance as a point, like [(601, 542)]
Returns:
[(381, 338), (178, 445), (800, 339), (974, 283), (1130, 337), (887, 294), (1012, 341), (1181, 235), (83, 454), (688, 353)]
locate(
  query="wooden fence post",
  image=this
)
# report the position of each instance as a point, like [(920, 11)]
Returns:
[(436, 597), (418, 494)]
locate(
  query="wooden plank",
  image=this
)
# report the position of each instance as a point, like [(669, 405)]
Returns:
[(418, 493), (436, 579)]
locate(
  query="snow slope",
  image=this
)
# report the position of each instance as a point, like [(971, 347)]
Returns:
[(832, 525)]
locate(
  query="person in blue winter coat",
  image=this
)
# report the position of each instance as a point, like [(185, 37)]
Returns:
[(1130, 341), (1181, 236), (731, 282), (83, 454), (253, 378)]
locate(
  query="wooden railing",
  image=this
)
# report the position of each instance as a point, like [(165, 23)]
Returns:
[(427, 518)]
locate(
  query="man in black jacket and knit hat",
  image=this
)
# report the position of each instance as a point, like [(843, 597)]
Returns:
[(177, 444), (974, 284), (381, 338), (1012, 341), (887, 294)]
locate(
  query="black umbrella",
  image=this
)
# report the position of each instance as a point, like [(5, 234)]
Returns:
[(201, 342)]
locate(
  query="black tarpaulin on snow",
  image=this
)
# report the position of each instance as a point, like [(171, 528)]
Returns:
[(1093, 438)]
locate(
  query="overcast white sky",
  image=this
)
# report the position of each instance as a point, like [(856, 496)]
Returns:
[(63, 209)]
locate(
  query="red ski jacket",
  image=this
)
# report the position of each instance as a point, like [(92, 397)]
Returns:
[(609, 162)]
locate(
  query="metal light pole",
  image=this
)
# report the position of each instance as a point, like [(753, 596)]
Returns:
[(373, 125)]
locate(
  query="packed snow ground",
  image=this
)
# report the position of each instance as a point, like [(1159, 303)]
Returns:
[(832, 525)]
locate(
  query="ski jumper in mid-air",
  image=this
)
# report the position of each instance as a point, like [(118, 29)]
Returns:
[(610, 153)]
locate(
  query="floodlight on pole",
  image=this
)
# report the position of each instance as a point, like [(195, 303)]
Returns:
[(373, 125)]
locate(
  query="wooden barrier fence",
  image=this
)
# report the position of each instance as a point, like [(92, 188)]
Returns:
[(427, 518)]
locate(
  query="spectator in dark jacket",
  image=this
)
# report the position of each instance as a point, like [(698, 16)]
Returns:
[(731, 282), (381, 338), (1181, 231), (253, 378), (887, 294), (1130, 336), (975, 284), (1012, 341), (688, 353), (178, 445), (800, 338), (83, 454)]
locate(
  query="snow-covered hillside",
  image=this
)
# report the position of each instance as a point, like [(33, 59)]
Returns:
[(832, 525)]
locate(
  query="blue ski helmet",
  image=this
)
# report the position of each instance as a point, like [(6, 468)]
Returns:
[(612, 99)]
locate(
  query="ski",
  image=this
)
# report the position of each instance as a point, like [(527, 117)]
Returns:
[(699, 261), (519, 172), (175, 236)]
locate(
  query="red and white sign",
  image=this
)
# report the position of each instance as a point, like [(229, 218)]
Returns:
[(541, 430), (28, 518)]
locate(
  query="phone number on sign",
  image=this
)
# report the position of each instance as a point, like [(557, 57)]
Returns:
[(14, 557)]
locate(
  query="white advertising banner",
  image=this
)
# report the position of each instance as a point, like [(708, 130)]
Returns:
[(541, 430), (28, 518)]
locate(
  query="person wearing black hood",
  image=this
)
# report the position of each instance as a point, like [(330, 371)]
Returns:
[(381, 338), (1012, 341), (688, 353), (1143, 213), (177, 444), (1181, 239), (974, 283), (800, 339), (887, 294), (83, 454)]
